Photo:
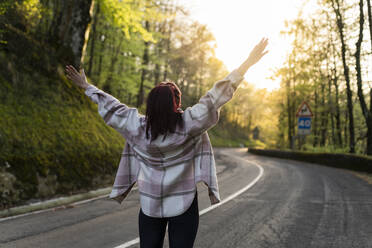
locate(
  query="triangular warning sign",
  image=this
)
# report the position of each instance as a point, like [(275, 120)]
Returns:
[(304, 110)]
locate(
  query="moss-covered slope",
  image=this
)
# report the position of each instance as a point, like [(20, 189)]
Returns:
[(51, 139)]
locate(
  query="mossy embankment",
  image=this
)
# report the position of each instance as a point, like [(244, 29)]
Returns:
[(52, 140)]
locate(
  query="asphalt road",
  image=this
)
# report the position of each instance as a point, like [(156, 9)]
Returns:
[(293, 204)]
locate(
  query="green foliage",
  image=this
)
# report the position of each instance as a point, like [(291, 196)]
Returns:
[(313, 72), (255, 144), (30, 10), (327, 149), (128, 16), (226, 135), (4, 6)]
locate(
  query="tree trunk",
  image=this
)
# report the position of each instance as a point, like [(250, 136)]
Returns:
[(363, 105), (346, 127), (168, 48), (338, 114), (335, 84), (340, 25), (70, 30), (157, 74), (114, 58), (369, 127), (315, 124), (324, 118), (145, 63), (369, 122), (337, 104), (102, 51), (159, 60), (370, 22), (289, 113), (332, 111), (93, 43)]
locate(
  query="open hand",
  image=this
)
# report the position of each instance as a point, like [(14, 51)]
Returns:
[(256, 54), (77, 78)]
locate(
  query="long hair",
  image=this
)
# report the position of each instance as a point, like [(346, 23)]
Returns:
[(163, 110)]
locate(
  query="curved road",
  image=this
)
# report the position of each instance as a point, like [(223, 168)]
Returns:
[(294, 204)]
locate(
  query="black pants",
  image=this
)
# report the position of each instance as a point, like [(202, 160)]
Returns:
[(182, 229)]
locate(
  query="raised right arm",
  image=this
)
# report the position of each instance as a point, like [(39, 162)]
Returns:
[(204, 115)]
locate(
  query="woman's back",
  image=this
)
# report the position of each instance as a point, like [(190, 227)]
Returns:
[(168, 167)]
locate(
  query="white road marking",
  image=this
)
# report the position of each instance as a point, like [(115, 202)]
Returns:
[(52, 208), (206, 210), (57, 207), (129, 243)]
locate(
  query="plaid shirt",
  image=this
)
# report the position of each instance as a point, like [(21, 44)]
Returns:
[(166, 171)]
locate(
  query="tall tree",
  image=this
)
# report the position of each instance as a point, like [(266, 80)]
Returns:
[(70, 29), (93, 40), (369, 11), (340, 25), (335, 82), (145, 64), (367, 113)]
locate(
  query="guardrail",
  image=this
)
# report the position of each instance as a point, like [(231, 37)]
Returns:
[(345, 161)]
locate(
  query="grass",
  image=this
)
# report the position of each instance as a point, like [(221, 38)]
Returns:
[(222, 136)]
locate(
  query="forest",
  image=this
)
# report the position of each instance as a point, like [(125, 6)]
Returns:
[(329, 66), (52, 141)]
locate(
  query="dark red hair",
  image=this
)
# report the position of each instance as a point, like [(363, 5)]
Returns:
[(163, 111)]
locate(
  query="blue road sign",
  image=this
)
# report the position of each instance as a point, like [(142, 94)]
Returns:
[(304, 122), (304, 125)]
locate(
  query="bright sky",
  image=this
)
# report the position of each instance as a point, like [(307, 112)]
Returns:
[(239, 24)]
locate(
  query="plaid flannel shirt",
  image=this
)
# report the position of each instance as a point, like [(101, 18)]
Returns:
[(166, 171)]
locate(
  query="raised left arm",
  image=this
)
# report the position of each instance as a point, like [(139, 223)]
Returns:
[(117, 115)]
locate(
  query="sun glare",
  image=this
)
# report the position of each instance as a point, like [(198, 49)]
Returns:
[(239, 24)]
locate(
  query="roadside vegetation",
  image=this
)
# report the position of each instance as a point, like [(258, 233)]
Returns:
[(330, 67)]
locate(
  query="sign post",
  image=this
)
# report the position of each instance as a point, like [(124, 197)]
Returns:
[(304, 115)]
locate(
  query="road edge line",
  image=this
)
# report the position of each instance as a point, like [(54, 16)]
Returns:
[(55, 204)]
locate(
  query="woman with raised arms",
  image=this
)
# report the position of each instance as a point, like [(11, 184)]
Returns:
[(167, 152)]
